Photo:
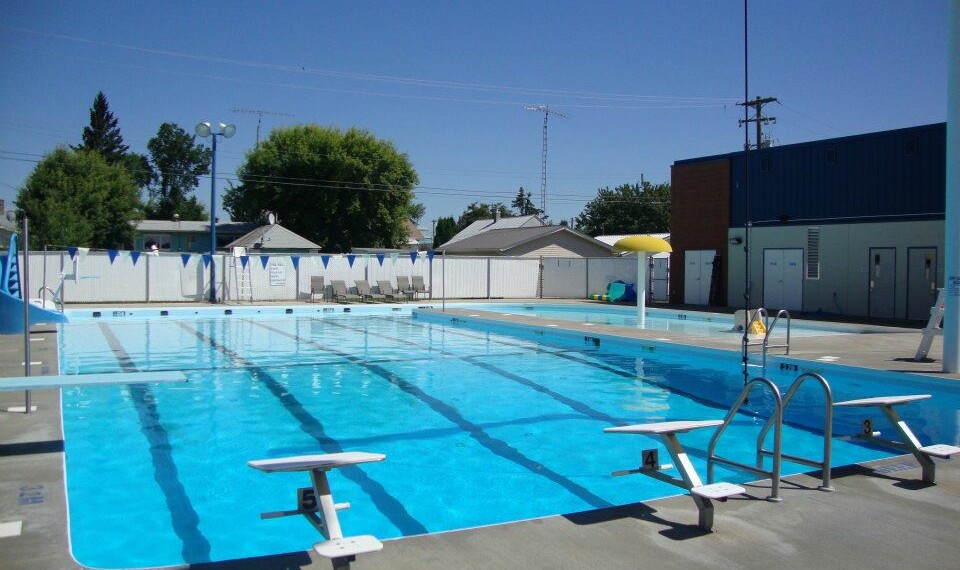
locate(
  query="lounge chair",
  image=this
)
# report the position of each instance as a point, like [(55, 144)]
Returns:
[(386, 288), (418, 286), (317, 288), (366, 293), (404, 287), (340, 293)]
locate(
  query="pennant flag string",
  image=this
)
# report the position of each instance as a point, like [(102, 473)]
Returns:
[(296, 261), (112, 254), (351, 258), (413, 257), (325, 259), (264, 259), (134, 255), (72, 250), (244, 259), (206, 259), (184, 258), (380, 257)]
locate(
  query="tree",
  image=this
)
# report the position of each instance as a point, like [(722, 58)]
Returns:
[(103, 134), (477, 211), (416, 212), (446, 229), (627, 209), (75, 197), (179, 162), (524, 204), (336, 188)]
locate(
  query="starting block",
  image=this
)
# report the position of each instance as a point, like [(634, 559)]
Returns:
[(316, 504), (909, 441), (689, 479)]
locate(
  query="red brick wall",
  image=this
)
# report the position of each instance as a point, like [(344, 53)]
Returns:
[(699, 217)]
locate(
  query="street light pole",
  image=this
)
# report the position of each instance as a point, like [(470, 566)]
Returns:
[(204, 131)]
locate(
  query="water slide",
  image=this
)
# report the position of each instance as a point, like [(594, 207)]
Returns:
[(11, 297)]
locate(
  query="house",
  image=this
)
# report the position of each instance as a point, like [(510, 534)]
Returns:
[(273, 238), (497, 223), (537, 241), (851, 225), (186, 236)]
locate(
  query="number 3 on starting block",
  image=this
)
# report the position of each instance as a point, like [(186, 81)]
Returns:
[(306, 499), (650, 460)]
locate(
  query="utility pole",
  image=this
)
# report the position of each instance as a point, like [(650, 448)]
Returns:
[(758, 118), (260, 113), (547, 111)]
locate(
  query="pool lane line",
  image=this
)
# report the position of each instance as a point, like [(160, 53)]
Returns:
[(496, 446), (184, 518), (386, 503), (566, 354), (575, 405)]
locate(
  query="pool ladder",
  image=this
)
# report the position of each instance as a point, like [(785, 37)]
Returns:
[(775, 422), (770, 326)]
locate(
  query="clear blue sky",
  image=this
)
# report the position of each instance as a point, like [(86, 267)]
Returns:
[(644, 83)]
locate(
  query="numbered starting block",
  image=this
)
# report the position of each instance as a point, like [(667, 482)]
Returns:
[(316, 503), (909, 442), (689, 479)]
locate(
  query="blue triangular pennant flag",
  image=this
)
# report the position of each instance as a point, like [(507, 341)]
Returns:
[(206, 259), (243, 261), (380, 257), (134, 255), (184, 258), (350, 259), (413, 257), (72, 250), (325, 259), (430, 255), (264, 259), (112, 254), (296, 261)]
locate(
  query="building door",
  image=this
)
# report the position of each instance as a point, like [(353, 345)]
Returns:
[(881, 299), (783, 279), (696, 276), (921, 281), (660, 278)]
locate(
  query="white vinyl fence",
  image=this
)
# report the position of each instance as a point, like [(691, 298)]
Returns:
[(135, 277)]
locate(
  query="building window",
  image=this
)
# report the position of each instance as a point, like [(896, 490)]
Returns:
[(910, 146), (162, 241), (831, 155), (813, 253)]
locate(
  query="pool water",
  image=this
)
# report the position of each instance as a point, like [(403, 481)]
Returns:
[(665, 320), (478, 428)]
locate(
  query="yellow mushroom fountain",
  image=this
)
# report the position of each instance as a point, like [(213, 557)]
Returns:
[(643, 246)]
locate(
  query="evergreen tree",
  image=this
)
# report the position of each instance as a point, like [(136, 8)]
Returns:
[(103, 134), (446, 229), (524, 204)]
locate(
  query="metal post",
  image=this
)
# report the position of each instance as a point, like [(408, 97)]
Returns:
[(951, 313), (25, 294), (213, 221)]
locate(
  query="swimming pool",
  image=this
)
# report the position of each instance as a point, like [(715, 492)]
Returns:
[(666, 320), (478, 427)]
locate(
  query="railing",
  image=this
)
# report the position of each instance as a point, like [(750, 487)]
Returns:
[(777, 418), (769, 326)]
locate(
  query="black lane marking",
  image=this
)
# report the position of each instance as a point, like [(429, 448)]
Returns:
[(391, 508), (496, 446), (185, 520)]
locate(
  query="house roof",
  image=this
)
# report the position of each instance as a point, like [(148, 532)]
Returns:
[(272, 237), (168, 226), (481, 226), (507, 239)]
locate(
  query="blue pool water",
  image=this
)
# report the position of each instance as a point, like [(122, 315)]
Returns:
[(665, 320), (478, 427)]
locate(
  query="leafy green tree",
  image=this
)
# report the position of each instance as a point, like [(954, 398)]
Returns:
[(477, 211), (628, 208), (139, 169), (416, 212), (524, 204), (75, 197), (178, 162), (446, 229), (336, 188), (103, 133)]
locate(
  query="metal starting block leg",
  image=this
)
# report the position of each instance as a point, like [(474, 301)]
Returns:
[(318, 499), (909, 441), (702, 495)]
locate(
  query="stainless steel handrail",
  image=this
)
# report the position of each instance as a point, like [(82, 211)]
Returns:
[(824, 464), (777, 419)]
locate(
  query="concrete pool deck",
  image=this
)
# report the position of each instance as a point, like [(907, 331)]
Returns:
[(880, 516)]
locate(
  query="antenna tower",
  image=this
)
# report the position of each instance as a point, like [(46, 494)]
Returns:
[(260, 113), (547, 111)]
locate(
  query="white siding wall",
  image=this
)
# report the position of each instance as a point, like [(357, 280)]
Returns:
[(166, 279)]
